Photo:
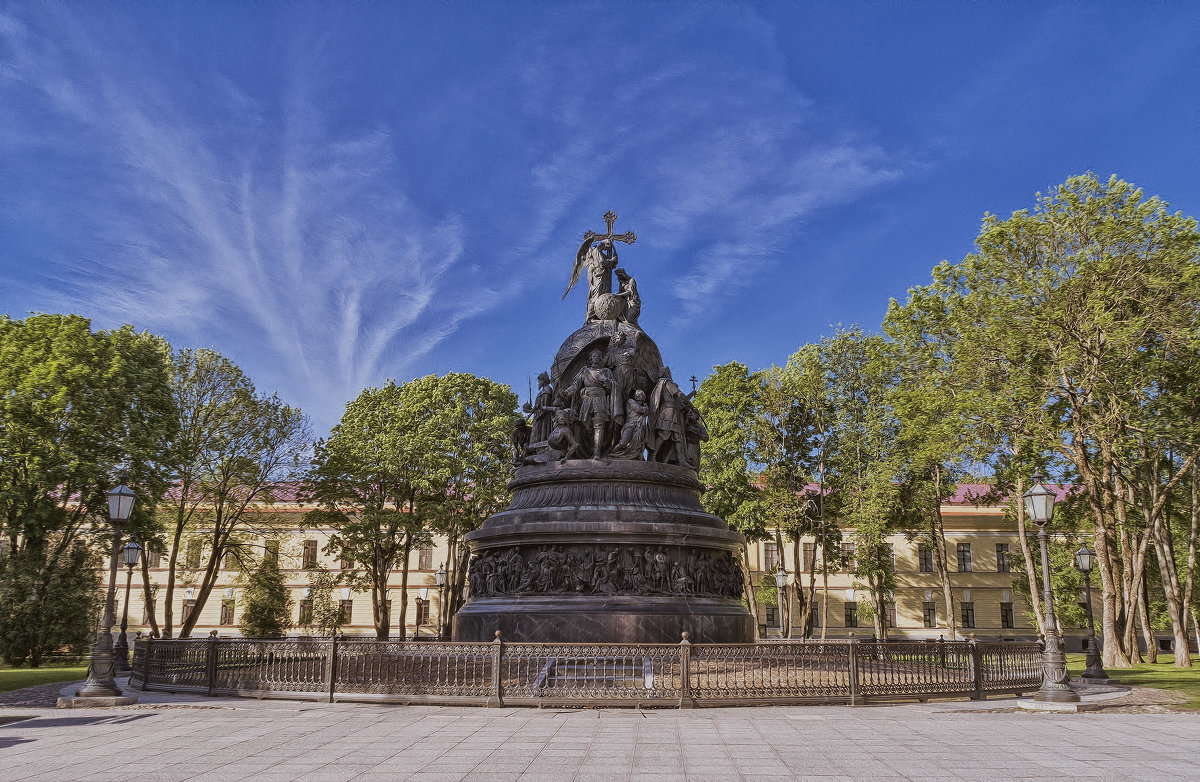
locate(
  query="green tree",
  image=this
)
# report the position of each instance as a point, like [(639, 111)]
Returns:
[(474, 418), (268, 612), (1079, 319), (43, 608), (75, 405), (233, 449), (324, 613), (403, 461), (729, 400), (860, 372), (805, 376), (788, 444)]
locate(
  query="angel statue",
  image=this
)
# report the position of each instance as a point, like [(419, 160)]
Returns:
[(599, 255)]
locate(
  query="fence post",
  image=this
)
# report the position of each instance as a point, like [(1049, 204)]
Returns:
[(685, 673), (497, 697), (976, 668), (331, 667), (210, 661), (855, 692), (146, 647)]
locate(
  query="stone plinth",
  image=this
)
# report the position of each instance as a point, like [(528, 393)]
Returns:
[(605, 552)]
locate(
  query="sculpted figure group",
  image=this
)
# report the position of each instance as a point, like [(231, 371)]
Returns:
[(614, 406), (603, 414), (605, 570)]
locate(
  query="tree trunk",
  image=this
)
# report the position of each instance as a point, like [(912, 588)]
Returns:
[(1035, 590), (797, 587), (380, 571), (806, 606), (783, 607), (405, 552), (1143, 619), (1193, 534), (748, 586), (172, 563), (148, 597), (824, 591), (1115, 655)]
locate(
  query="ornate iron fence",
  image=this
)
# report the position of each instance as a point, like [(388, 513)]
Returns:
[(499, 673)]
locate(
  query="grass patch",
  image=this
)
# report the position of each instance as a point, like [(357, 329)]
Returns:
[(1162, 675), (20, 678)]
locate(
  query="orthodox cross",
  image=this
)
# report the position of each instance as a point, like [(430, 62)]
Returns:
[(607, 239), (610, 217)]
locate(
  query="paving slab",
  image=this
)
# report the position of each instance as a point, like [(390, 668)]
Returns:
[(192, 739)]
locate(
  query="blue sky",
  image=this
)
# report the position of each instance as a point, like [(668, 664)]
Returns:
[(337, 194)]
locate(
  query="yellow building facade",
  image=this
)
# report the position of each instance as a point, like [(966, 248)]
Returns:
[(980, 544)]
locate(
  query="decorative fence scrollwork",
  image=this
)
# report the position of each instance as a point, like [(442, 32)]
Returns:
[(498, 673)]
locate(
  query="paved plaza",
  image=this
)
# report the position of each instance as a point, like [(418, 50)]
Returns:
[(176, 738)]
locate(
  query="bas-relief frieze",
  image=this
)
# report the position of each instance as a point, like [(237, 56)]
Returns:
[(605, 569)]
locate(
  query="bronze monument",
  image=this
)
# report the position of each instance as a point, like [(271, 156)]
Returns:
[(605, 539)]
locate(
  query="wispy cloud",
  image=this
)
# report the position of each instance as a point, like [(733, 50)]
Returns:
[(321, 253), (298, 247)]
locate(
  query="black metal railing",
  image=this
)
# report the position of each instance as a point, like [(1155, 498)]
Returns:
[(499, 673)]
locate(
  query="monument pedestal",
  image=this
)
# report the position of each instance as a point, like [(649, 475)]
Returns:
[(605, 552)]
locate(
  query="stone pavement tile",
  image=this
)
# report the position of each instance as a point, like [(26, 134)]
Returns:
[(440, 767), (656, 777), (439, 776)]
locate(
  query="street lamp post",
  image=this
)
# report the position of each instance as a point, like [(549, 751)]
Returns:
[(101, 681), (439, 578), (1085, 560), (1056, 687), (781, 578), (131, 552)]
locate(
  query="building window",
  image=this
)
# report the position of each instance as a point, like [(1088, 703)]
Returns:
[(925, 558), (851, 610), (272, 550), (347, 612), (968, 615), (1006, 616), (425, 558), (347, 564), (306, 612), (153, 556), (815, 616), (770, 557), (848, 563), (188, 607), (1002, 558), (773, 616), (889, 615), (929, 614), (310, 555), (964, 557), (226, 612), (810, 557), (423, 612), (192, 560), (230, 562)]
